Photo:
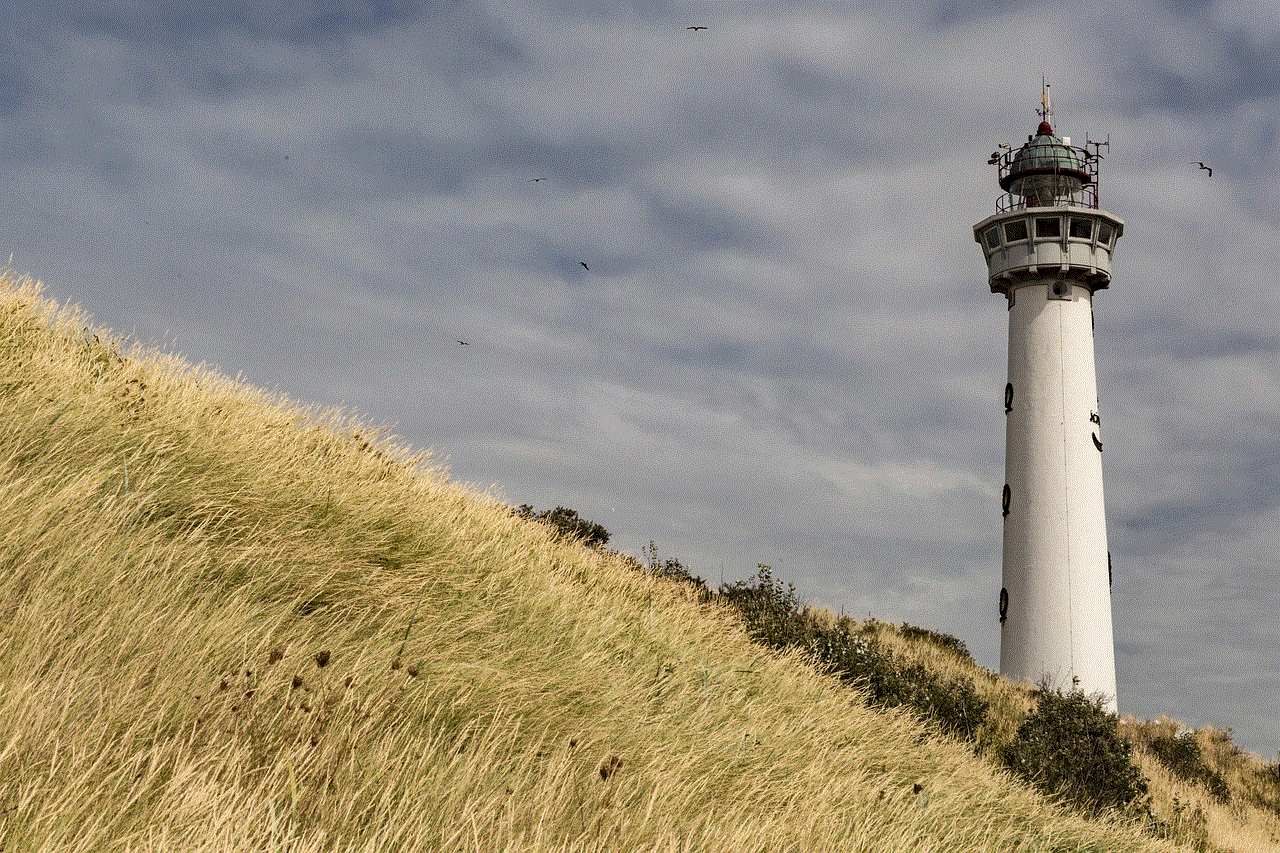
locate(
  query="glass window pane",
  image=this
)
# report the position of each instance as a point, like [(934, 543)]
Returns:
[(1015, 230), (1047, 226), (1104, 233), (1082, 228), (993, 237)]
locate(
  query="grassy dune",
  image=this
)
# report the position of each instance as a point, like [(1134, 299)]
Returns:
[(232, 623)]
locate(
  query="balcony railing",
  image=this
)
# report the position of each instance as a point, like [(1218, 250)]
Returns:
[(1085, 197), (1049, 160)]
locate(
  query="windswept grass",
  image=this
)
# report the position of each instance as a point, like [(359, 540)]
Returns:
[(232, 623)]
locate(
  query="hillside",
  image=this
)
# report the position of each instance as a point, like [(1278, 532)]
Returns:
[(234, 623)]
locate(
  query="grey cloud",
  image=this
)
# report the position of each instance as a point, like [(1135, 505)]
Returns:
[(1182, 338), (1245, 70), (1168, 524), (789, 111), (582, 161), (954, 13), (1226, 343), (1235, 478), (702, 226), (15, 88), (401, 161), (179, 24)]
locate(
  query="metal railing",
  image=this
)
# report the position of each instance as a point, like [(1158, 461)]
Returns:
[(1086, 197), (1047, 159)]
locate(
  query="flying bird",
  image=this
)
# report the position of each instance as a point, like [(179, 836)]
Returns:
[(465, 343), (535, 180), (1206, 168), (584, 266), (695, 28)]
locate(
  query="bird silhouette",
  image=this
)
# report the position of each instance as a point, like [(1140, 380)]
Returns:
[(695, 28), (1206, 168), (535, 180), (584, 266), (465, 343)]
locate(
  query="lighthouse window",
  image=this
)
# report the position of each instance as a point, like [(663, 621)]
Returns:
[(993, 237), (1104, 234), (1015, 230), (1082, 228), (1048, 226)]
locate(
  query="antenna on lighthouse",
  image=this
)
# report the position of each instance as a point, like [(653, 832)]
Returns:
[(1045, 110)]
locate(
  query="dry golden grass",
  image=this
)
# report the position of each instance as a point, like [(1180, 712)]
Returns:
[(1247, 822), (231, 623)]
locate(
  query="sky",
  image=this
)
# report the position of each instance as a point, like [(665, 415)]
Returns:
[(719, 288)]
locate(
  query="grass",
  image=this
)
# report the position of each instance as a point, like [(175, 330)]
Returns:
[(234, 623)]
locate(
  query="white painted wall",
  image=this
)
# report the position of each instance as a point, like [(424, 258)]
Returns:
[(1058, 619)]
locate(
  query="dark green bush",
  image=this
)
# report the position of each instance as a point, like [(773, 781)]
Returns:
[(1181, 754), (1263, 787), (770, 609), (1071, 749), (952, 704), (672, 569), (937, 638), (568, 524), (775, 617)]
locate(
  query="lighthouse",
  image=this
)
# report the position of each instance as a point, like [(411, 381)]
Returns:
[(1048, 249)]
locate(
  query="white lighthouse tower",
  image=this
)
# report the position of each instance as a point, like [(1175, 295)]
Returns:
[(1048, 250)]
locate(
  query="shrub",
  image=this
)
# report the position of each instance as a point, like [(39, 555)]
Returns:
[(672, 569), (952, 704), (774, 617), (937, 638), (1071, 749), (770, 609), (1182, 756), (568, 524)]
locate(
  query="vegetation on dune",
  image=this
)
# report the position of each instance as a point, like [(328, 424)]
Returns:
[(1071, 748), (1065, 744), (232, 623)]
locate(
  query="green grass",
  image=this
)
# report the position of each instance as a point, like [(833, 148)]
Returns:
[(180, 553)]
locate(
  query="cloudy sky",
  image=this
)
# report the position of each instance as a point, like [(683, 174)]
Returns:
[(784, 349)]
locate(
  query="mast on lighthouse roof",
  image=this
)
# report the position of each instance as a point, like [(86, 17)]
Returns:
[(1048, 249), (1047, 171)]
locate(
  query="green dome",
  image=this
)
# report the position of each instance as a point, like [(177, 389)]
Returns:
[(1045, 153)]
